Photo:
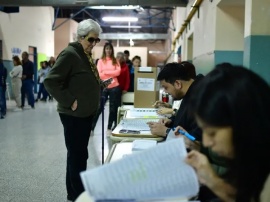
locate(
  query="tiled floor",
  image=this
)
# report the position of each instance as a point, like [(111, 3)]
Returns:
[(33, 154)]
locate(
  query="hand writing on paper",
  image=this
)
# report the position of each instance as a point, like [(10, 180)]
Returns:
[(157, 129), (164, 110), (164, 121), (158, 104), (193, 145)]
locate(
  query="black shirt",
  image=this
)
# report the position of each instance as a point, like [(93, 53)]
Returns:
[(184, 117), (28, 69)]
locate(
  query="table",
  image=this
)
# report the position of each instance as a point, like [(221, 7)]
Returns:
[(118, 137), (119, 150), (128, 114), (121, 111)]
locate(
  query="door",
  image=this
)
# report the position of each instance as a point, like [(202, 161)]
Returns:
[(32, 51)]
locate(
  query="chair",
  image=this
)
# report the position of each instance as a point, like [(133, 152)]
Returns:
[(128, 98)]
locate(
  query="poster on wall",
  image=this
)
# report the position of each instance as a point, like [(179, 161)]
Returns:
[(16, 51), (146, 84)]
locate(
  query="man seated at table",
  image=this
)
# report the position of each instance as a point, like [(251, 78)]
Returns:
[(178, 79)]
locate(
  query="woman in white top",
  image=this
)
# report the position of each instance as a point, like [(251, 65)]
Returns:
[(16, 81)]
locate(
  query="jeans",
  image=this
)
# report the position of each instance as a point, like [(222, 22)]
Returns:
[(3, 103), (115, 101), (42, 90), (77, 133), (27, 88)]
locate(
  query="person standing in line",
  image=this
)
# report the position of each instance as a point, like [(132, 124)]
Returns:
[(136, 63), (16, 81), (108, 67), (42, 75), (123, 78), (27, 81), (51, 62), (126, 57), (75, 84), (3, 88)]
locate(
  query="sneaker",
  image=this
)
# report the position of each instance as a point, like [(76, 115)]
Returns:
[(27, 107), (2, 117), (18, 109)]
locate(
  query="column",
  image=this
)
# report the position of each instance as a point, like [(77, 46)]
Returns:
[(257, 37)]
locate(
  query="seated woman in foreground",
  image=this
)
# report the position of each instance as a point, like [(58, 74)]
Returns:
[(232, 107)]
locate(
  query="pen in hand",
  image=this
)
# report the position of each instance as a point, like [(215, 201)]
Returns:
[(192, 138)]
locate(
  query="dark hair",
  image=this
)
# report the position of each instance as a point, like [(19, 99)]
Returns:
[(17, 60), (26, 53), (126, 52), (190, 68), (114, 61), (46, 63), (236, 97), (136, 57), (176, 71)]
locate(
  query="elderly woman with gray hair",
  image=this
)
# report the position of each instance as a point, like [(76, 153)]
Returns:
[(75, 83)]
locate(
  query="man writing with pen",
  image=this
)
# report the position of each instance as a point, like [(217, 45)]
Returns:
[(179, 80)]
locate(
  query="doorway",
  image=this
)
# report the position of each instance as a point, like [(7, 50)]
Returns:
[(32, 51), (190, 48)]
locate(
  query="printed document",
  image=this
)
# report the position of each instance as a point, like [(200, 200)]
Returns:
[(158, 172)]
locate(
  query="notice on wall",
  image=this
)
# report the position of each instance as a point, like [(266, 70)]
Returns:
[(145, 84)]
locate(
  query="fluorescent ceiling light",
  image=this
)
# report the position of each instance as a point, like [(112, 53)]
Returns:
[(115, 7), (125, 26), (120, 19)]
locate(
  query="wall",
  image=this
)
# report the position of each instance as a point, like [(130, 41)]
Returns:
[(64, 34), (257, 37), (140, 51), (156, 50), (202, 30), (30, 27), (229, 46), (218, 34)]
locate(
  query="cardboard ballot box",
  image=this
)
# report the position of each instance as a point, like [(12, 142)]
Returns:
[(146, 87)]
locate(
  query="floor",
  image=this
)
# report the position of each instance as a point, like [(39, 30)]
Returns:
[(33, 154)]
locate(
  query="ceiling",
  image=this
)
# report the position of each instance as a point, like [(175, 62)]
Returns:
[(150, 19), (165, 3), (154, 16)]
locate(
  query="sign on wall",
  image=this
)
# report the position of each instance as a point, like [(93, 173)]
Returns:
[(16, 51)]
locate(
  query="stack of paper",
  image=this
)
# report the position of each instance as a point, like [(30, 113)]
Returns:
[(144, 113), (156, 173), (140, 145)]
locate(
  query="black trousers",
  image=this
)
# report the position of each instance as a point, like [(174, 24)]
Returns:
[(77, 133)]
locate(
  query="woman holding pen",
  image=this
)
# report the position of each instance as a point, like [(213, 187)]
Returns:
[(232, 108)]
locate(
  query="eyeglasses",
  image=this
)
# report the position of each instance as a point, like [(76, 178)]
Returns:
[(92, 39)]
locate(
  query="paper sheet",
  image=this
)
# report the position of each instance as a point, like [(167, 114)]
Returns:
[(171, 135), (145, 84), (158, 172)]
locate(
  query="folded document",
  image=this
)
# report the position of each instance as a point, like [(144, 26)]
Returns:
[(158, 172)]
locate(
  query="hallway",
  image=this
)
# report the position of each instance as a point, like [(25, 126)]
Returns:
[(33, 154)]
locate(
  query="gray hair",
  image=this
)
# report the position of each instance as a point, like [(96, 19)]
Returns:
[(87, 26), (121, 54)]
